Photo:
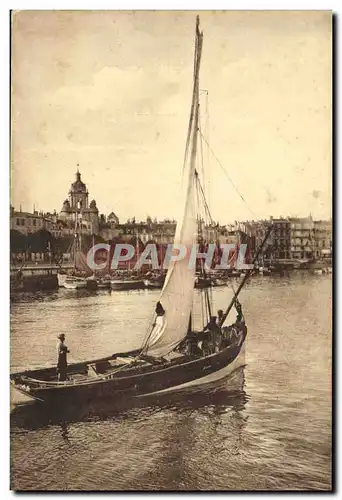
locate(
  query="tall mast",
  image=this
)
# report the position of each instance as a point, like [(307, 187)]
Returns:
[(75, 239), (137, 246), (94, 251), (80, 230), (194, 115), (177, 294), (198, 54), (194, 123)]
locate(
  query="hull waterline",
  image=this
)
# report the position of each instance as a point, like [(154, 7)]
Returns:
[(226, 371), (135, 381), (127, 285)]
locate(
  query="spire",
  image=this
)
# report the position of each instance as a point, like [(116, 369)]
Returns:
[(78, 173)]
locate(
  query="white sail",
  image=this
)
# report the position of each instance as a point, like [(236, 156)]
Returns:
[(177, 294)]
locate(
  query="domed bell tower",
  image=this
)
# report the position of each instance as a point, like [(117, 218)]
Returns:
[(78, 194)]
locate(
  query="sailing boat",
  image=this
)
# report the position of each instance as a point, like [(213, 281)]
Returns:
[(72, 281), (172, 354), (98, 281), (130, 283)]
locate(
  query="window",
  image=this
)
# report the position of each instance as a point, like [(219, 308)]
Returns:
[(18, 222)]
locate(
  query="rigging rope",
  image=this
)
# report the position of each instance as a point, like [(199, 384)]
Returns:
[(226, 173), (205, 204), (202, 158)]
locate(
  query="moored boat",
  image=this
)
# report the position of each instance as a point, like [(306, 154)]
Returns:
[(103, 283), (154, 280), (203, 282), (61, 278), (74, 283), (153, 285), (81, 275), (318, 271), (174, 352), (264, 271), (127, 284)]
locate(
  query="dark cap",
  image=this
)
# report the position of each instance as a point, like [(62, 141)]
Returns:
[(61, 336)]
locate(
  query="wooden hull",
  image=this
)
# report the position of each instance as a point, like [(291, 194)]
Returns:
[(140, 381), (75, 284), (71, 282), (154, 285), (219, 282), (211, 377), (103, 284), (264, 272), (127, 285), (61, 279), (203, 283)]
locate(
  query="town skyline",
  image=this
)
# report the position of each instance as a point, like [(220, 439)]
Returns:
[(110, 91), (154, 217)]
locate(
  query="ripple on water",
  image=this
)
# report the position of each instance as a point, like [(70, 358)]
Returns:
[(275, 433)]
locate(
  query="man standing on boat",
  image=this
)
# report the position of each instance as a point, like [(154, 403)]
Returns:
[(212, 337), (62, 364), (219, 316)]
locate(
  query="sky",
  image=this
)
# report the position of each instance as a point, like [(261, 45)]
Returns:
[(111, 91)]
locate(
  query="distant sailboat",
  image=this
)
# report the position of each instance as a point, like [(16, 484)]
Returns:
[(130, 283), (99, 281), (74, 281), (173, 354)]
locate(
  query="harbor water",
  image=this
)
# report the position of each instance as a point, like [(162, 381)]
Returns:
[(266, 428)]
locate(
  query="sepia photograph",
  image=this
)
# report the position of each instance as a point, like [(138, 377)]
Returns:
[(171, 250)]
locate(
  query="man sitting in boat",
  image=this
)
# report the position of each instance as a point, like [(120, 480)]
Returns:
[(190, 345), (62, 365), (204, 342), (232, 333), (219, 316)]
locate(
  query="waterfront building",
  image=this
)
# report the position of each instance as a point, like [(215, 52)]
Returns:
[(255, 232), (322, 232), (280, 238), (161, 232), (290, 238), (28, 223), (302, 237)]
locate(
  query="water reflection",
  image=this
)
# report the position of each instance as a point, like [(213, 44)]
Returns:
[(212, 398), (272, 431)]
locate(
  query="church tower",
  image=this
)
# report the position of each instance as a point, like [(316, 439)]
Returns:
[(78, 194), (78, 201)]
